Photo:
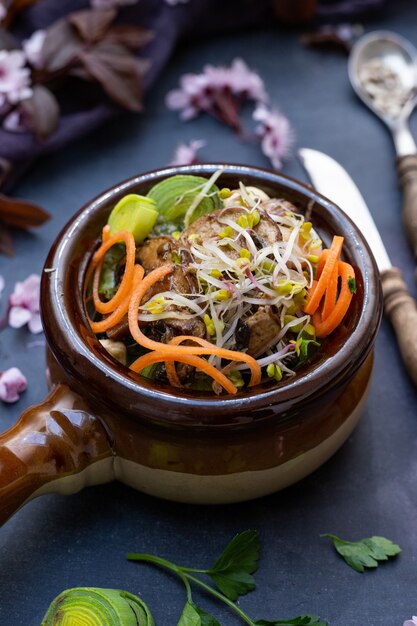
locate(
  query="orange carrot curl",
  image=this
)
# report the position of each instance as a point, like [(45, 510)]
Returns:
[(324, 304), (126, 284), (117, 315), (324, 325), (332, 257), (196, 361)]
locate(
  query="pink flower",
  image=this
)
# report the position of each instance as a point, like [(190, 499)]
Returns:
[(12, 383), (218, 91), (32, 48), (192, 97), (109, 4), (411, 622), (275, 132), (14, 77), (24, 304), (239, 79), (3, 11), (185, 154)]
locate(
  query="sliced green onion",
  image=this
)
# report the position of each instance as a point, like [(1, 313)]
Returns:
[(136, 214), (175, 195), (87, 606)]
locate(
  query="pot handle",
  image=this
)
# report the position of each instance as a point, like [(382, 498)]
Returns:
[(55, 447)]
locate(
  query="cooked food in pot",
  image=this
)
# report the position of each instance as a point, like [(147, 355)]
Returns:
[(211, 288)]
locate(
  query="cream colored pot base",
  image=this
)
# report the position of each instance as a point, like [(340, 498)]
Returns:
[(228, 488), (196, 489)]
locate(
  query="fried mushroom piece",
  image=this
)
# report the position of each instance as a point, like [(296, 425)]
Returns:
[(155, 252), (259, 330), (158, 251), (210, 226), (277, 205)]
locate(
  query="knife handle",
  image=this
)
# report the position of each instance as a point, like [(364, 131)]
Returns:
[(400, 307), (407, 172)]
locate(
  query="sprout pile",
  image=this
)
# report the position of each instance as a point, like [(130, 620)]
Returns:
[(221, 278)]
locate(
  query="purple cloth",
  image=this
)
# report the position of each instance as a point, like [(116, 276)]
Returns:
[(169, 24)]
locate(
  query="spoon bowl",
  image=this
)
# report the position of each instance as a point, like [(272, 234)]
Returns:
[(396, 59)]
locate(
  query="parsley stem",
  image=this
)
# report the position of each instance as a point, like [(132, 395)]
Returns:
[(187, 586), (184, 574), (150, 558), (220, 596)]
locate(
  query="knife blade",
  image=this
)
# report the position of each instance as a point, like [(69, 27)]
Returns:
[(332, 180)]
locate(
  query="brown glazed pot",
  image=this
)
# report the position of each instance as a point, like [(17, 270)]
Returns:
[(102, 422)]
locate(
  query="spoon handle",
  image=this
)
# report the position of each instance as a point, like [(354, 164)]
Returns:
[(407, 172), (400, 308)]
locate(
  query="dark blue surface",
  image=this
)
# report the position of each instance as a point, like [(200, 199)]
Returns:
[(369, 487)]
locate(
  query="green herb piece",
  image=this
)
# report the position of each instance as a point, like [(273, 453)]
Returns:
[(176, 194), (236, 377), (304, 349), (97, 607), (176, 258), (201, 382), (232, 570), (232, 575), (301, 620), (352, 284), (136, 214), (133, 350), (108, 276), (193, 615), (150, 371), (366, 552)]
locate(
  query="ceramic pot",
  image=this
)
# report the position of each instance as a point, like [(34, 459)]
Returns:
[(102, 422)]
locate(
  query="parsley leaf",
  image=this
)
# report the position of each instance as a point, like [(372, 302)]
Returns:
[(232, 570), (301, 620), (352, 284), (305, 344), (206, 618), (192, 615), (366, 552), (189, 616)]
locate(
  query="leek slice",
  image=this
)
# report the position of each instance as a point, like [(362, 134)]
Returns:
[(176, 194), (136, 214), (88, 606)]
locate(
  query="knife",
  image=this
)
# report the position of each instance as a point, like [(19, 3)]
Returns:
[(330, 179)]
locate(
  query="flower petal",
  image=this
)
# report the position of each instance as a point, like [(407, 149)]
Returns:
[(35, 324), (19, 316), (185, 154), (27, 293), (12, 383)]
